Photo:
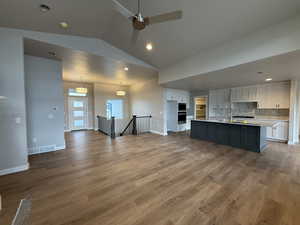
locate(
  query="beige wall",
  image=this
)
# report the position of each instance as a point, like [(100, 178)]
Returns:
[(90, 88), (148, 99), (104, 92)]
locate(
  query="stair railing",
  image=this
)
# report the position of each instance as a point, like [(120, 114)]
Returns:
[(133, 121)]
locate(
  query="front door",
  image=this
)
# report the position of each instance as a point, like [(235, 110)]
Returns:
[(78, 113)]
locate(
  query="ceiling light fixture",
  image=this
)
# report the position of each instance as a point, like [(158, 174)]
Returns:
[(44, 8), (149, 46), (269, 79), (120, 92), (126, 68), (64, 25), (81, 90)]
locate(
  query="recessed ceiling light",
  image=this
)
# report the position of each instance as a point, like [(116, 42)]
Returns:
[(149, 46), (52, 53), (269, 79), (44, 8), (64, 25), (126, 68)]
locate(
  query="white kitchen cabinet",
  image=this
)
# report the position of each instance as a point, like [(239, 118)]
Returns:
[(244, 94), (283, 97), (219, 103), (180, 96), (265, 97), (274, 96), (279, 132)]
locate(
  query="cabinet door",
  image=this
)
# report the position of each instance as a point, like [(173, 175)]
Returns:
[(233, 94), (267, 97), (250, 138), (212, 104), (245, 92), (253, 93), (281, 131), (283, 101), (270, 133)]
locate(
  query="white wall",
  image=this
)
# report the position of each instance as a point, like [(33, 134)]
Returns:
[(44, 104), (148, 99), (104, 92), (91, 45), (13, 142), (90, 96), (275, 40)]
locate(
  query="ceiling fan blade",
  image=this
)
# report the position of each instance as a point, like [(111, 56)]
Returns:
[(122, 10), (176, 15), (134, 36)]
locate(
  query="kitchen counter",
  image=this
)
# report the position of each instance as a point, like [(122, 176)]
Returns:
[(248, 136), (277, 118), (252, 122)]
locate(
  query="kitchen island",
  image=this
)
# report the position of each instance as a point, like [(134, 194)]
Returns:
[(248, 136)]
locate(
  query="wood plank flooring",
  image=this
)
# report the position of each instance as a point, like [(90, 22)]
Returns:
[(156, 180)]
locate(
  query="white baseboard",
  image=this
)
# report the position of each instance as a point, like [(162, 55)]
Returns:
[(60, 147), (157, 132), (37, 150), (14, 169)]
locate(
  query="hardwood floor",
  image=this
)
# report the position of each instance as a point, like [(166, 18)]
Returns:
[(156, 180)]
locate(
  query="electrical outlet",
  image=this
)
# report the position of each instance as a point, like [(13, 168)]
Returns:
[(18, 120)]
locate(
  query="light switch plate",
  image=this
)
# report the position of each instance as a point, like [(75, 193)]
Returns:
[(18, 120)]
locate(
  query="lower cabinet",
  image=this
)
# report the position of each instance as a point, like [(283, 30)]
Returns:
[(252, 138), (279, 132)]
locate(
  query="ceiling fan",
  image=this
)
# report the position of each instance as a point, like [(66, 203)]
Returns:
[(139, 22)]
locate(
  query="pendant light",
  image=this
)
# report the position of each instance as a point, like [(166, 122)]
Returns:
[(81, 90), (120, 92)]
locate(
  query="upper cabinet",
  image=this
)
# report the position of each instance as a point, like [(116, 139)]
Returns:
[(219, 102), (180, 96), (274, 96), (267, 96), (244, 94)]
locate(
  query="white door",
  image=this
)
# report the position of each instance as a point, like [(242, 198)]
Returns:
[(78, 113)]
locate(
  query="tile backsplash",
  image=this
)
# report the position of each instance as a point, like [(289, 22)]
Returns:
[(272, 112), (250, 108)]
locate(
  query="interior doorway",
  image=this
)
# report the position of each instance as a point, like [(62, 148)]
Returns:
[(201, 108), (78, 113)]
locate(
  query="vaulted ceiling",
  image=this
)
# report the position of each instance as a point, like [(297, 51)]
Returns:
[(205, 23)]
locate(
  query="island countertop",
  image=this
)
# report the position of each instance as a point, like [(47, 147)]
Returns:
[(244, 123)]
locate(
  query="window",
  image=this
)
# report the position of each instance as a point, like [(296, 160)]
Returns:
[(114, 108), (77, 104), (73, 92), (78, 113)]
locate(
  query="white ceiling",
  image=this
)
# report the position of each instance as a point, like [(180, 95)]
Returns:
[(279, 68), (80, 66), (205, 23)]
